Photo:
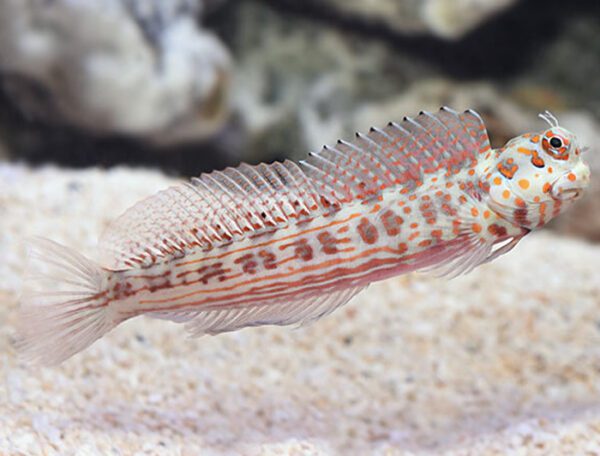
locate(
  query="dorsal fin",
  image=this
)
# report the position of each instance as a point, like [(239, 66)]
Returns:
[(212, 210), (220, 207), (399, 154)]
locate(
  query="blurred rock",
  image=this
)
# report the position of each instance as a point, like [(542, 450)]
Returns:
[(568, 68), (3, 151), (450, 19), (297, 82), (142, 69)]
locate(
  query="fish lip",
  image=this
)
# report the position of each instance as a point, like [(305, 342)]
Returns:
[(567, 195)]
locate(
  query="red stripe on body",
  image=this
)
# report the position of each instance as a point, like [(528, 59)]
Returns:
[(371, 269)]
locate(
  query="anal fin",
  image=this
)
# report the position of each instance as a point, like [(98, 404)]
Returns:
[(299, 310)]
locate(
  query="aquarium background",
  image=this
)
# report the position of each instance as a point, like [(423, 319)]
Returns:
[(104, 102)]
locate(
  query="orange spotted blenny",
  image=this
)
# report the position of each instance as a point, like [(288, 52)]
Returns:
[(288, 243)]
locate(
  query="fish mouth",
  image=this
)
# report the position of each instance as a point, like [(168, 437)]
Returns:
[(566, 194)]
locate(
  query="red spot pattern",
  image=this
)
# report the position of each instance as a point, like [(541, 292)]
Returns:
[(249, 264), (269, 259), (391, 223), (302, 249), (367, 231), (328, 242)]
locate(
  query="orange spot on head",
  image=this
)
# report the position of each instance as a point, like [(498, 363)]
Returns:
[(572, 177), (536, 199), (412, 197), (407, 210), (414, 225), (497, 180), (506, 194), (550, 170), (524, 184), (547, 187), (486, 214), (449, 184), (476, 227), (474, 212), (519, 202), (524, 150), (471, 172)]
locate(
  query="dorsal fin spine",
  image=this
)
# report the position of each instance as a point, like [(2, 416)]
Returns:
[(425, 149), (283, 171), (254, 191), (374, 158), (233, 224), (205, 238), (363, 174), (349, 170), (449, 135), (413, 167), (212, 234), (262, 187), (396, 170), (337, 180), (279, 193), (305, 185), (228, 178), (220, 218)]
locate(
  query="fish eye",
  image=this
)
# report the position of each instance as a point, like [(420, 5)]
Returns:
[(555, 146)]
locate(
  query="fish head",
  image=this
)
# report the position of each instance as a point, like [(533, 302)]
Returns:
[(537, 175)]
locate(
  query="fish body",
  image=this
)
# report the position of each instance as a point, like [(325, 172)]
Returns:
[(286, 243)]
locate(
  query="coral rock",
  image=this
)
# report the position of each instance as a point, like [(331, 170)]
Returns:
[(143, 69)]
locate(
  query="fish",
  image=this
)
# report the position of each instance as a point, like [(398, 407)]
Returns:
[(288, 243)]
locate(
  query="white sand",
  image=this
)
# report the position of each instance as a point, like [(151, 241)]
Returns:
[(503, 361)]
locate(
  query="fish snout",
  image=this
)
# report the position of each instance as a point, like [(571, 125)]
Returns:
[(571, 185)]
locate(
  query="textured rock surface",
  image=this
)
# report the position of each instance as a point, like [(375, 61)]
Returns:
[(449, 19), (297, 83), (505, 360), (301, 83), (115, 66)]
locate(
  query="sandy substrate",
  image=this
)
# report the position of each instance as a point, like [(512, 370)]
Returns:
[(504, 360)]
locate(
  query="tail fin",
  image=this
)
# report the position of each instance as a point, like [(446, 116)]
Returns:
[(65, 313)]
